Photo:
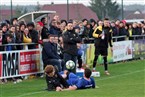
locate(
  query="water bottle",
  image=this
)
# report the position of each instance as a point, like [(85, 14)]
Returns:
[(103, 35)]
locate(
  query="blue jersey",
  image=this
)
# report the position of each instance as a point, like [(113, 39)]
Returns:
[(81, 83), (72, 79)]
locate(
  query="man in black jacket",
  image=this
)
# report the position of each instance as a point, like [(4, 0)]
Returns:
[(70, 40), (44, 32), (49, 53)]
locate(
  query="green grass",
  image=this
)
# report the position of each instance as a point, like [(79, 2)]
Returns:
[(126, 80)]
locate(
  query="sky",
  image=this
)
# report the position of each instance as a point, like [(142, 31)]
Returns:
[(85, 2)]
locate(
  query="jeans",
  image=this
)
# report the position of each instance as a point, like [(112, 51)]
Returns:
[(70, 57), (54, 62)]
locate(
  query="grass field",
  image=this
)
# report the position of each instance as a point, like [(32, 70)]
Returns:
[(126, 80)]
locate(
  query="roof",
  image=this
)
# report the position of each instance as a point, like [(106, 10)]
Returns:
[(35, 15), (136, 15), (76, 11), (6, 13)]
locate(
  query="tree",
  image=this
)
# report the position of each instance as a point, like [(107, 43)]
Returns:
[(105, 8), (25, 10), (18, 11), (37, 8)]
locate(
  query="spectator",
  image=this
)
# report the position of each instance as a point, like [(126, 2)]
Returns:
[(130, 32), (139, 28), (84, 32), (56, 18), (44, 32), (75, 23), (8, 24), (64, 22), (9, 41), (100, 23), (26, 37), (122, 32), (49, 53), (144, 29), (4, 31), (114, 30), (39, 26), (117, 22), (14, 21), (92, 27), (33, 34), (13, 33), (55, 28), (1, 36), (19, 35)]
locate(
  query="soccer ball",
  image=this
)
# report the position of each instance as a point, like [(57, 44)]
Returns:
[(70, 64)]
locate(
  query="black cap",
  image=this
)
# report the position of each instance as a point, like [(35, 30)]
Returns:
[(77, 27)]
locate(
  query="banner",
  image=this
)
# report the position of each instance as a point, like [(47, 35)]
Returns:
[(29, 62), (122, 50), (9, 64), (139, 48), (18, 63)]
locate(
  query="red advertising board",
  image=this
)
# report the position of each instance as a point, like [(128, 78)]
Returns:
[(29, 62), (0, 65)]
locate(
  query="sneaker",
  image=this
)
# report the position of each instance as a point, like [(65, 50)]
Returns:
[(107, 73), (94, 71), (1, 82), (15, 82), (5, 80)]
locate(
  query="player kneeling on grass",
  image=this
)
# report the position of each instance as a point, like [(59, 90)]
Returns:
[(80, 83), (55, 82)]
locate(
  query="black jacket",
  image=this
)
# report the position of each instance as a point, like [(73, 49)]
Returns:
[(44, 33), (34, 37), (70, 40), (55, 81), (122, 32)]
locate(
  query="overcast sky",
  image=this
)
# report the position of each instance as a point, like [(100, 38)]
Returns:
[(85, 2)]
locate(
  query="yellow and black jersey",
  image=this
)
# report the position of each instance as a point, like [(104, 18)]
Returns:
[(107, 33)]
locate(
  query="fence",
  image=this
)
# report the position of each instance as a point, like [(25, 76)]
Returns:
[(20, 62)]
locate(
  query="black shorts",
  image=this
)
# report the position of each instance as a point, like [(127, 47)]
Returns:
[(101, 51)]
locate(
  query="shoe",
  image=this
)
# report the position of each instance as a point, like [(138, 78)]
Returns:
[(1, 82), (94, 71), (107, 73)]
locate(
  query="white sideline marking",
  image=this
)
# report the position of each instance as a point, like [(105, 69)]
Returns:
[(121, 75), (28, 94)]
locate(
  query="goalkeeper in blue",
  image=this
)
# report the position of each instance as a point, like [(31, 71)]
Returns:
[(76, 83)]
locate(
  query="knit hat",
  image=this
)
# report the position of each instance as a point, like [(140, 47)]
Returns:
[(77, 27), (40, 23)]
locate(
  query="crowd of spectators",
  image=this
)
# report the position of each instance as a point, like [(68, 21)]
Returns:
[(13, 32)]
